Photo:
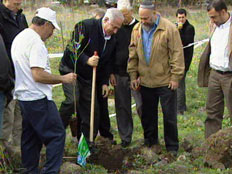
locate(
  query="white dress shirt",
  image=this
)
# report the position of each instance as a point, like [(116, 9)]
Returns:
[(219, 57)]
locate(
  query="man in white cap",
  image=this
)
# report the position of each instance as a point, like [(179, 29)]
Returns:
[(41, 121)]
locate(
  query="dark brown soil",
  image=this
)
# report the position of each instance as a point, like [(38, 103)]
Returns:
[(118, 160), (111, 157), (111, 160)]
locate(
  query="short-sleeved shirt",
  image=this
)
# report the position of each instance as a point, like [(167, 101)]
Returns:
[(28, 51)]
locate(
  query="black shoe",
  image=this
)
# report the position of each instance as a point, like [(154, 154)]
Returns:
[(173, 153), (93, 148), (150, 143), (125, 144)]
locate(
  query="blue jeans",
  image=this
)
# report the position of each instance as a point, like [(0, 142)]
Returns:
[(2, 103)]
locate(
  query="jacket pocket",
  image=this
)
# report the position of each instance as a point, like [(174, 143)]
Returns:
[(158, 69)]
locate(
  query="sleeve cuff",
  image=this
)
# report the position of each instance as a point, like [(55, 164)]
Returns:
[(176, 78), (133, 76)]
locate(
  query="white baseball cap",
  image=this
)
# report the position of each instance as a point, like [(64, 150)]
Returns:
[(48, 14)]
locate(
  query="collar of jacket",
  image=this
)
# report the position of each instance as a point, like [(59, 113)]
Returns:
[(186, 23), (100, 26), (230, 40), (7, 14)]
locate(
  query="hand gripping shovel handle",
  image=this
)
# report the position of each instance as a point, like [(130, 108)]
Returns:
[(92, 102)]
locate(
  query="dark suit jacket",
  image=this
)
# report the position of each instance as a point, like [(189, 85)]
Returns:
[(93, 41)]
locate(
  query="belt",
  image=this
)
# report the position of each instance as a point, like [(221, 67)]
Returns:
[(224, 72)]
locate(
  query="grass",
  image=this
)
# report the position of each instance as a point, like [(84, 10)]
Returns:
[(190, 126)]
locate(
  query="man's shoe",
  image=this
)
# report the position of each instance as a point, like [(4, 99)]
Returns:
[(125, 144), (156, 148), (173, 153), (93, 148), (149, 143)]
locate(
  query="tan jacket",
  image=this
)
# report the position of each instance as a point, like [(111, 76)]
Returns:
[(204, 67), (167, 59)]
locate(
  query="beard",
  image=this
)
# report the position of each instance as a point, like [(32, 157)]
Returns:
[(150, 25), (147, 27)]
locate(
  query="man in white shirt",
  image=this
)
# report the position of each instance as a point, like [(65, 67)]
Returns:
[(215, 69), (41, 120)]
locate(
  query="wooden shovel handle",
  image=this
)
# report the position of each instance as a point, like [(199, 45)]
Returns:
[(92, 102)]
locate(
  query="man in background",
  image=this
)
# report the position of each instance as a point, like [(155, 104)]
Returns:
[(119, 77), (12, 21), (187, 33), (6, 83), (215, 68), (98, 13)]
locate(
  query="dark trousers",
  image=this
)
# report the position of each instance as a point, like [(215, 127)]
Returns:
[(150, 100), (123, 108), (181, 96), (67, 107), (41, 126), (2, 104), (104, 122), (219, 92), (101, 114)]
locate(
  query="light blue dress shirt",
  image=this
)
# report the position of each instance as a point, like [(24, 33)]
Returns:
[(147, 40)]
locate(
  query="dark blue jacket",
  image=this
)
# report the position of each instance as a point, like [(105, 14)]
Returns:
[(6, 73), (10, 27)]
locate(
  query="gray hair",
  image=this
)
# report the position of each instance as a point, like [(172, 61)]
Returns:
[(98, 12), (124, 4), (113, 14)]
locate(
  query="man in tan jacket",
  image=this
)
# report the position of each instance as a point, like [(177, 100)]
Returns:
[(156, 59), (215, 68)]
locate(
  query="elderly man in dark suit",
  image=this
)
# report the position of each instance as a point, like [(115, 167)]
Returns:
[(98, 36)]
